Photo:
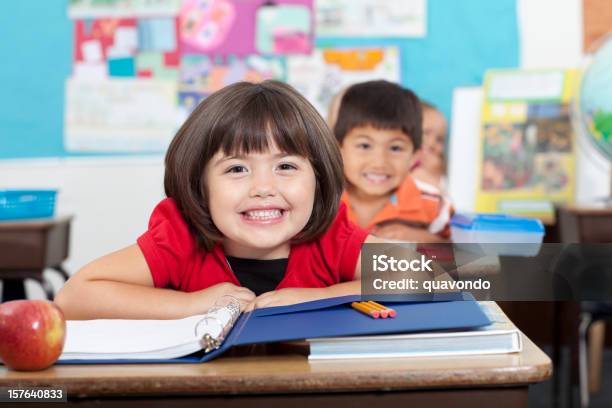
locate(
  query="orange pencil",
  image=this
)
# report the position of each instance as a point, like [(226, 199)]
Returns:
[(365, 310), (384, 313), (392, 313)]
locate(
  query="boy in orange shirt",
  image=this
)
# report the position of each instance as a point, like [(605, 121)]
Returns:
[(379, 128)]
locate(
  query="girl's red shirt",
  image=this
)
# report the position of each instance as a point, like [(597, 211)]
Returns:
[(176, 262)]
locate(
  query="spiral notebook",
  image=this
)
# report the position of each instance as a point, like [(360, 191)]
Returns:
[(174, 341)]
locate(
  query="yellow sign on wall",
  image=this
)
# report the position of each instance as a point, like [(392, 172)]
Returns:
[(527, 144)]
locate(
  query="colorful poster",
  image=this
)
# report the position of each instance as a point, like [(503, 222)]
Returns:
[(527, 143), (328, 70), (122, 8), (371, 18), (126, 47), (122, 115), (241, 28), (201, 75)]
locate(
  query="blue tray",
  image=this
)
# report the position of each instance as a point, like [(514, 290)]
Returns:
[(19, 204)]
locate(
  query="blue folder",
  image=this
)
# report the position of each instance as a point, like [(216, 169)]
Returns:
[(334, 317)]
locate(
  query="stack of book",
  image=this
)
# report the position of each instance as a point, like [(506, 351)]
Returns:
[(501, 336)]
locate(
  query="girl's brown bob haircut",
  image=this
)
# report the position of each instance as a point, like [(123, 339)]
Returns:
[(244, 118)]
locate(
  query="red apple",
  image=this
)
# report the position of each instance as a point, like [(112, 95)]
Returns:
[(32, 334)]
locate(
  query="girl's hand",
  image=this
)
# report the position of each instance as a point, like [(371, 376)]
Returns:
[(204, 299), (287, 296)]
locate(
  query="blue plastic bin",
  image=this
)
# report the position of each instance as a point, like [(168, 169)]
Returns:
[(20, 204), (499, 234)]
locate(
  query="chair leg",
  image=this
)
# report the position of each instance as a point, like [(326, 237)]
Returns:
[(556, 353), (597, 334), (585, 322), (47, 288), (62, 271), (45, 285)]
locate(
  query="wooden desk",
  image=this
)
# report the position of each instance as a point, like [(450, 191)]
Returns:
[(27, 248), (287, 379), (585, 224)]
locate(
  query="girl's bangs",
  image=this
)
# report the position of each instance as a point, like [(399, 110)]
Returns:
[(266, 120)]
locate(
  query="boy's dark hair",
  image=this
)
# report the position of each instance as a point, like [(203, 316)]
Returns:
[(382, 105), (244, 118)]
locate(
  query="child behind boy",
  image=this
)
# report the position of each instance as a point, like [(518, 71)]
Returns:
[(430, 167), (379, 127), (429, 170)]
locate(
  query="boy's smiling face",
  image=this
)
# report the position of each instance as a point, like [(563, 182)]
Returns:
[(376, 161), (260, 201)]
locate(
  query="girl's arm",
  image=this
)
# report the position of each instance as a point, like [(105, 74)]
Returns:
[(119, 285)]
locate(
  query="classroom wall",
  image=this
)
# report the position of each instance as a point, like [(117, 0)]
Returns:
[(112, 197), (463, 40), (545, 42)]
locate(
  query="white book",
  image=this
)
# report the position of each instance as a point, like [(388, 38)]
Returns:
[(119, 339), (130, 339), (502, 336)]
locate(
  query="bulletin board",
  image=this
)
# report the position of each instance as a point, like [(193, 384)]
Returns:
[(463, 40)]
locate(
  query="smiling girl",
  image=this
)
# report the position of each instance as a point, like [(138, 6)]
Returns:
[(253, 183)]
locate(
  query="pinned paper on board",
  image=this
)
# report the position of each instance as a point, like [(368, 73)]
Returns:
[(230, 27), (283, 29), (126, 47), (371, 18), (527, 143), (194, 48), (327, 71), (122, 8), (136, 115), (202, 75)]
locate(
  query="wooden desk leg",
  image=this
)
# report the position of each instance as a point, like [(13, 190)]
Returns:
[(597, 335), (13, 289), (565, 333)]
